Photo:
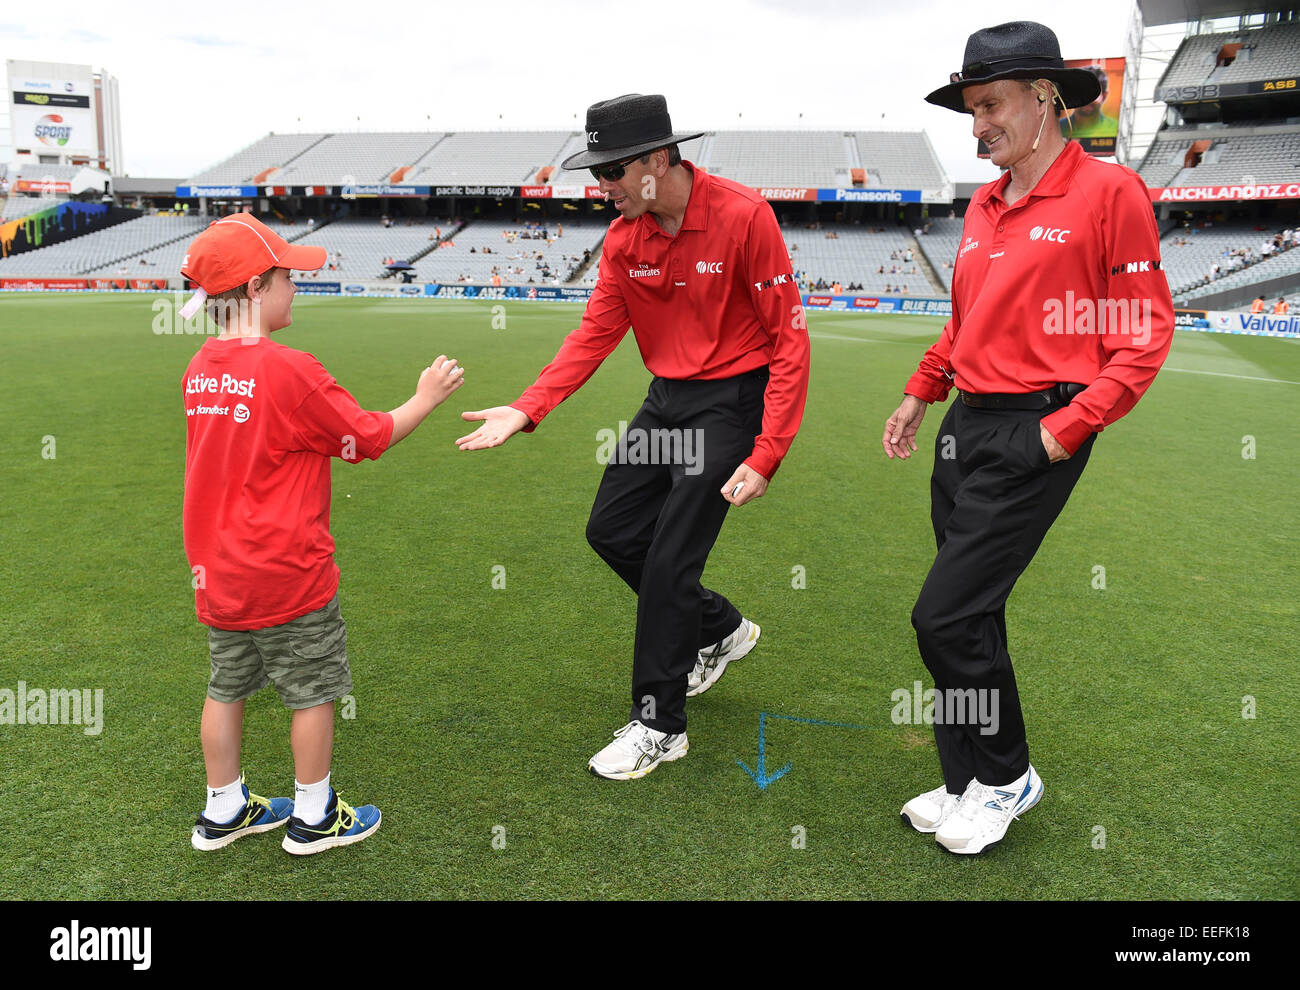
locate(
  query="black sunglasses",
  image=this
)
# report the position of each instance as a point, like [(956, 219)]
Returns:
[(613, 172)]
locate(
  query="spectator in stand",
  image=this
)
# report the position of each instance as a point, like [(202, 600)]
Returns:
[(1281, 308), (1258, 305)]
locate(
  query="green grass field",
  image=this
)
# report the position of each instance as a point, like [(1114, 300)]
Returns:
[(479, 707)]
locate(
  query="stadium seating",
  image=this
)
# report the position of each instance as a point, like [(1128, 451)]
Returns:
[(561, 254), (489, 158), (1265, 53), (1235, 155), (891, 159), (365, 243), (1188, 254), (900, 160), (779, 158), (274, 150), (940, 244), (1276, 266), (355, 158), (114, 250), (24, 206), (854, 255)]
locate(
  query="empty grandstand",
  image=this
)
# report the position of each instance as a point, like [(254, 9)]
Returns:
[(1224, 167), (877, 260), (818, 159)]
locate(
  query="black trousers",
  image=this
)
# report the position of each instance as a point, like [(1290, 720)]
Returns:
[(994, 495), (654, 523)]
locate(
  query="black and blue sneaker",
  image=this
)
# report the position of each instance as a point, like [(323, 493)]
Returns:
[(341, 826), (259, 815)]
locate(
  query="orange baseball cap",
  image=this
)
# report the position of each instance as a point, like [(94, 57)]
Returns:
[(235, 248)]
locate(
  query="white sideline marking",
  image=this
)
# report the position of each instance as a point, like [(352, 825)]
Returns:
[(1224, 374)]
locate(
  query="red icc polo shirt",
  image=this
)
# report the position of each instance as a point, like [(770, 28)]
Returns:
[(715, 301), (261, 424), (1063, 286)]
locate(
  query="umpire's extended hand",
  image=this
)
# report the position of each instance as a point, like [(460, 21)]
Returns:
[(900, 431), (500, 423)]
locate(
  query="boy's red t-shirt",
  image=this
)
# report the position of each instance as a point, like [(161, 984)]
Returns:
[(262, 422)]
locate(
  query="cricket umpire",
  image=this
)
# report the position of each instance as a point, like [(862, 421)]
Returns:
[(1061, 318), (695, 264)]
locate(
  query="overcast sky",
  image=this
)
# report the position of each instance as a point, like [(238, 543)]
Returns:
[(200, 81)]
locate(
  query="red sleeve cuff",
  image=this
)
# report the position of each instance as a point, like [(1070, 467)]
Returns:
[(529, 409), (927, 389), (764, 464), (1068, 429)]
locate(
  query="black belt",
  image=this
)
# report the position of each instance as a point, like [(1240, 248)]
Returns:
[(1059, 395)]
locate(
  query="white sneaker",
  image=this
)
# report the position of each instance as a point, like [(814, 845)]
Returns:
[(636, 750), (984, 813), (927, 812), (713, 660)]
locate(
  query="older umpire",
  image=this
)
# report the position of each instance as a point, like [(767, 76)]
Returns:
[(1061, 317), (696, 266)]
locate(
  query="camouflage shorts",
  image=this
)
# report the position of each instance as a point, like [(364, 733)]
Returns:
[(306, 658)]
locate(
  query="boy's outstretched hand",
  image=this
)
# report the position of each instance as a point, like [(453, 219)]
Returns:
[(500, 423), (440, 379), (436, 382)]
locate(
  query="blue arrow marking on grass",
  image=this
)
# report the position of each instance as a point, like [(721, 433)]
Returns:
[(760, 776)]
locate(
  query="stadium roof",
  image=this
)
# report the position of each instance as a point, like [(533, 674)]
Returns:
[(1156, 12)]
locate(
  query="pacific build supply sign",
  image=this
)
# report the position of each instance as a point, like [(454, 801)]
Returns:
[(52, 115)]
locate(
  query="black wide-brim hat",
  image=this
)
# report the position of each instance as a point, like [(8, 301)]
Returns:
[(625, 127), (1016, 50)]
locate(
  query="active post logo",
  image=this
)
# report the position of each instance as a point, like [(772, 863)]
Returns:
[(51, 130), (241, 413)]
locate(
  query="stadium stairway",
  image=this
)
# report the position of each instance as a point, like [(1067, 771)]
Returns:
[(432, 247), (267, 174), (581, 270), (922, 261)]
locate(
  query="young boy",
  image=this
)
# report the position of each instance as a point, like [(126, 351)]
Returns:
[(262, 422)]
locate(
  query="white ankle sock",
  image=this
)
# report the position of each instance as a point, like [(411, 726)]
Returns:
[(309, 800), (224, 803)]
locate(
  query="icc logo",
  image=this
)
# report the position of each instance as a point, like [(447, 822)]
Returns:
[(1054, 234), (709, 267), (591, 137)]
